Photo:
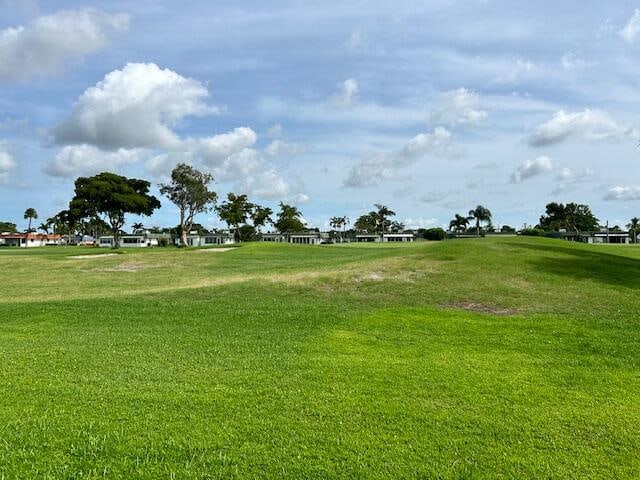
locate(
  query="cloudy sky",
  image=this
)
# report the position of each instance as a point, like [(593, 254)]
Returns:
[(428, 107)]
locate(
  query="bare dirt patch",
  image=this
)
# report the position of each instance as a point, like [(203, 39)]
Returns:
[(125, 267), (481, 308), (96, 255)]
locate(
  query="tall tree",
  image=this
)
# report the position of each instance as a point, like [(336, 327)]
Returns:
[(260, 216), (189, 191), (383, 214), (235, 211), (367, 223), (480, 214), (339, 224), (289, 219), (634, 228), (30, 214), (113, 196), (572, 216)]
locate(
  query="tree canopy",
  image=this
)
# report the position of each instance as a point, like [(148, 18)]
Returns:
[(289, 219), (572, 216), (480, 214), (113, 196), (189, 191)]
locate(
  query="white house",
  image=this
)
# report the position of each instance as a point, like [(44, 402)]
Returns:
[(29, 240), (299, 238), (385, 237), (397, 237), (207, 239), (126, 241)]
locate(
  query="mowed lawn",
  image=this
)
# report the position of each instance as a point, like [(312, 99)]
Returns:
[(487, 358)]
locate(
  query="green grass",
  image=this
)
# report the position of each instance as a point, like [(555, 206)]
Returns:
[(489, 358)]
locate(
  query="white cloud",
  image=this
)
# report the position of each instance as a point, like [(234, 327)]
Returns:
[(161, 165), (458, 107), (135, 107), (591, 125), (631, 30), (46, 45), (282, 148), (214, 150), (299, 198), (349, 90), (567, 175), (7, 164), (531, 168), (623, 193), (414, 223), (75, 160), (385, 166)]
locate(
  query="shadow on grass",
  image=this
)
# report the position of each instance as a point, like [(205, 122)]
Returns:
[(579, 263)]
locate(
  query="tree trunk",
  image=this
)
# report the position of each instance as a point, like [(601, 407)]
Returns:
[(478, 228)]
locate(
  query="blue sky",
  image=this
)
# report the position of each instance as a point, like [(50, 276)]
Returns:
[(428, 107)]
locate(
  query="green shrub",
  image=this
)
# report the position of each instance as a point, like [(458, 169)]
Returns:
[(533, 232), (436, 234)]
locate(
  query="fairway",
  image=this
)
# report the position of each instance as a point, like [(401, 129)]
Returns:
[(481, 358)]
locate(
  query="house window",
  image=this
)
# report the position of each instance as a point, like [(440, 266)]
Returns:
[(130, 241)]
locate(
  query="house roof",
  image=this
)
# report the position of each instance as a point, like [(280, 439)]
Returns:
[(31, 236)]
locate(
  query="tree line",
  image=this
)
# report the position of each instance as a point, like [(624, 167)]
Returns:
[(101, 202)]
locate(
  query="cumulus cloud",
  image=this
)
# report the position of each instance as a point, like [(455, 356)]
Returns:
[(75, 160), (531, 168), (348, 94), (214, 150), (135, 107), (571, 61), (274, 131), (631, 30), (458, 107), (282, 148), (591, 125), (46, 45), (7, 164), (623, 193), (568, 179), (385, 166)]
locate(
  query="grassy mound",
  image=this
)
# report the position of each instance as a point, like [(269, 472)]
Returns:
[(489, 358)]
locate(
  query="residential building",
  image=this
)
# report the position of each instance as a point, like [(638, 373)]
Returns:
[(29, 240)]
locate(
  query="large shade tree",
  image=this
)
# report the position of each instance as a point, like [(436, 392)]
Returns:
[(572, 216), (30, 214), (113, 196), (480, 214), (260, 216), (189, 191)]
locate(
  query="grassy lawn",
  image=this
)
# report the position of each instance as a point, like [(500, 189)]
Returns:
[(488, 358)]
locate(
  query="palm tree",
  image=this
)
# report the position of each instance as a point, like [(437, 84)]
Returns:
[(481, 214), (459, 223), (45, 226), (337, 223), (633, 227), (137, 227), (30, 214), (383, 214)]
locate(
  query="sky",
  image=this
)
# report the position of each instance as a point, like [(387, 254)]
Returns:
[(430, 107)]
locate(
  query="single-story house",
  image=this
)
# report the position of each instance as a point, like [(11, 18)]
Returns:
[(274, 237), (397, 237), (384, 237), (597, 237), (29, 240), (299, 238), (126, 241), (207, 239), (367, 238)]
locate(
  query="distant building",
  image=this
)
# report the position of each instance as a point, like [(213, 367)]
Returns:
[(126, 241), (384, 237), (597, 237), (207, 239), (29, 240), (299, 238)]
